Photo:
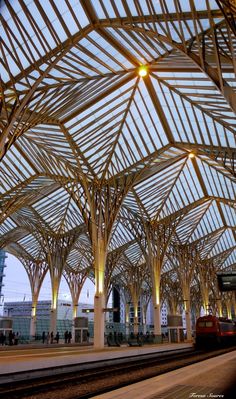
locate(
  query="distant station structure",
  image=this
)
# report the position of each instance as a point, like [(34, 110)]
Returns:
[(117, 153)]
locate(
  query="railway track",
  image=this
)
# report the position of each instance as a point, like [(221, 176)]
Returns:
[(99, 377)]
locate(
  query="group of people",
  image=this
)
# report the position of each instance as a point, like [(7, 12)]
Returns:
[(12, 338), (67, 337), (49, 338)]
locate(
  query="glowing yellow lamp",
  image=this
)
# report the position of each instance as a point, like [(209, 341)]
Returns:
[(143, 71), (191, 155)]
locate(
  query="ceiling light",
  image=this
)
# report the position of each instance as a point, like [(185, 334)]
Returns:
[(191, 155), (143, 71)]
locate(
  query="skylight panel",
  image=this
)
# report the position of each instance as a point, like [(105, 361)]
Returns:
[(210, 222), (14, 169), (129, 43), (100, 53), (212, 5), (99, 9), (34, 36), (224, 187), (225, 241), (229, 214), (230, 261), (7, 225)]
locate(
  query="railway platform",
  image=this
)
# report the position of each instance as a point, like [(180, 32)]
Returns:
[(35, 358), (212, 378)]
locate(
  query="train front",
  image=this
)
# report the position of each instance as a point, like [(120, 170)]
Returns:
[(207, 331)]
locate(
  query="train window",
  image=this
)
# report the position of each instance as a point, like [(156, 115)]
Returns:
[(205, 324), (201, 324)]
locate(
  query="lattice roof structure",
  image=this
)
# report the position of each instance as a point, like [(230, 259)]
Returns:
[(85, 140)]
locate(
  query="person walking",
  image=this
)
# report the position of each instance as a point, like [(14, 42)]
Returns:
[(52, 336), (69, 337), (43, 336), (10, 337), (57, 337), (48, 338), (16, 339)]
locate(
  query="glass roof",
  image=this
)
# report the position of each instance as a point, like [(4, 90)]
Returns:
[(89, 148)]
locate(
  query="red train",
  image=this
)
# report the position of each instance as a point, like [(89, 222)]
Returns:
[(212, 330)]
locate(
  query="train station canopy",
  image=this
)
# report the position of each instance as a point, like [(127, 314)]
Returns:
[(119, 113)]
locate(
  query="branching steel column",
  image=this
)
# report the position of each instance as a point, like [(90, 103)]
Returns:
[(205, 274), (187, 256), (36, 272), (56, 251), (75, 283), (171, 292), (102, 202), (126, 298), (158, 238), (228, 301)]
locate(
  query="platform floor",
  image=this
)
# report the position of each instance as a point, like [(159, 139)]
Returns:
[(212, 378), (24, 359)]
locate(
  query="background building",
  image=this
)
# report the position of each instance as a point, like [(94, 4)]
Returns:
[(149, 315), (3, 257), (20, 313), (23, 309)]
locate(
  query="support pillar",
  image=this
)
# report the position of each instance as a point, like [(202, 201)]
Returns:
[(32, 326), (144, 319), (53, 321), (36, 272), (187, 309), (127, 320), (205, 293), (206, 304), (234, 304), (136, 325), (188, 320), (75, 283), (99, 328), (135, 303), (219, 307), (157, 319), (228, 309), (99, 298), (53, 316), (156, 296), (74, 315), (33, 316)]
